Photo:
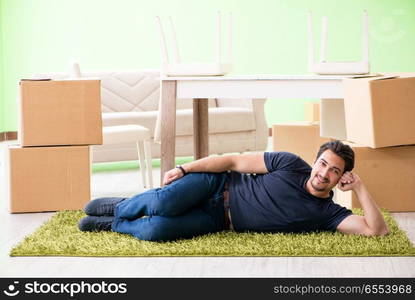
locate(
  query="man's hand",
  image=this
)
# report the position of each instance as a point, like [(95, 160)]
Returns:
[(372, 222), (349, 181), (172, 175)]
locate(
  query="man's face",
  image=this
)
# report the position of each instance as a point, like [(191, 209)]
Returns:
[(326, 173)]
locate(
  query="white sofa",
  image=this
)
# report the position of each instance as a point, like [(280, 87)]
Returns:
[(132, 97)]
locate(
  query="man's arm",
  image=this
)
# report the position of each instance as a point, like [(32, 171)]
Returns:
[(244, 163), (372, 223)]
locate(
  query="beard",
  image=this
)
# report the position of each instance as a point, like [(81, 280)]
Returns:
[(316, 187)]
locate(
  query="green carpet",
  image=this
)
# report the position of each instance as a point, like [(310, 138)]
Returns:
[(60, 236)]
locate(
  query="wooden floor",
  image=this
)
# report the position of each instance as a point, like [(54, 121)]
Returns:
[(14, 227)]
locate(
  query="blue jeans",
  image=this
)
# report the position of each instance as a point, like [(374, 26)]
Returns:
[(187, 207)]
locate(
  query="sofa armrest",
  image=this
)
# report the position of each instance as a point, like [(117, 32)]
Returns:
[(257, 106)]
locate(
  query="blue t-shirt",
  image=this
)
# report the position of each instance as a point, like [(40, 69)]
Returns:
[(278, 201)]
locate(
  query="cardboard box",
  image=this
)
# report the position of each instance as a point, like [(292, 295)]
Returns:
[(48, 178), (379, 111), (302, 138), (333, 124), (312, 112), (389, 175), (60, 112)]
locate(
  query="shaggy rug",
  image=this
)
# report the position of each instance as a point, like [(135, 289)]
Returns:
[(60, 236)]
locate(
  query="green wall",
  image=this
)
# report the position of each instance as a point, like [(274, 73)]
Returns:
[(269, 37)]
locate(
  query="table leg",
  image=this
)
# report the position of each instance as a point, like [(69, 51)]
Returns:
[(200, 128), (167, 126)]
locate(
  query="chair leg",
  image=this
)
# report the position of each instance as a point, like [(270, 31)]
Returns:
[(149, 161), (141, 156)]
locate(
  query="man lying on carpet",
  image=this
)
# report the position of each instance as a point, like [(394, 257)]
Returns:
[(263, 192)]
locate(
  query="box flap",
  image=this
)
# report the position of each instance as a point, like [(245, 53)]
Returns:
[(35, 79), (389, 75), (401, 74), (60, 79), (385, 77), (365, 76), (371, 78)]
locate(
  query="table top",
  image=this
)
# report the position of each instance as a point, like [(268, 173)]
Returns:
[(263, 77)]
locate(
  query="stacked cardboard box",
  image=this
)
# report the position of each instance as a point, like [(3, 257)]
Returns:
[(50, 168), (302, 138), (379, 114), (389, 175), (312, 112)]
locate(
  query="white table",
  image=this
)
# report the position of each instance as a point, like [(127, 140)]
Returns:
[(249, 86)]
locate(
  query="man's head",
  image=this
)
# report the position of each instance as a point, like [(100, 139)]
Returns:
[(333, 160)]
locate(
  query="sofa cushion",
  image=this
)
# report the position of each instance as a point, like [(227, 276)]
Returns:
[(221, 120)]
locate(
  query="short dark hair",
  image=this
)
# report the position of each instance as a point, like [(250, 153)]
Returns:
[(342, 150)]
